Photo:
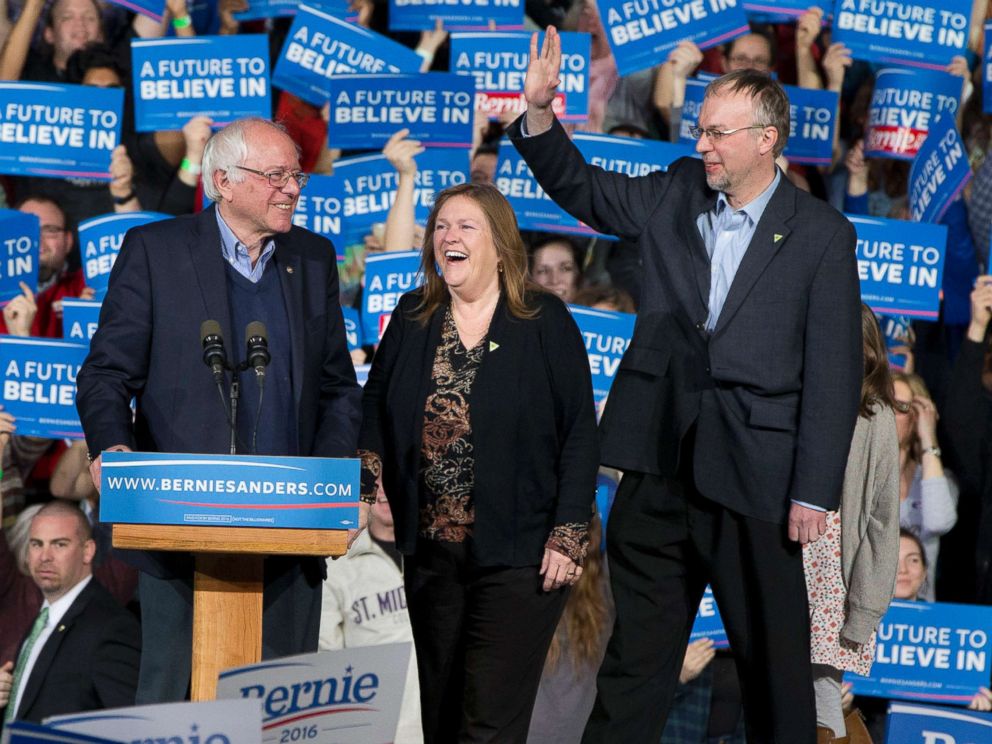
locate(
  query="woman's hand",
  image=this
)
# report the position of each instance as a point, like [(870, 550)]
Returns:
[(926, 421), (559, 570), (697, 655), (982, 700)]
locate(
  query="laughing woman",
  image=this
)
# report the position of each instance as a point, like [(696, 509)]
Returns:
[(479, 416)]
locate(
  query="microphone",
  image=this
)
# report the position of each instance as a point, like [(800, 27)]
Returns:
[(257, 341), (213, 349)]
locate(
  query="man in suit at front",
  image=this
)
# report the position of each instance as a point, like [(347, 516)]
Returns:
[(733, 409), (83, 649), (239, 261)]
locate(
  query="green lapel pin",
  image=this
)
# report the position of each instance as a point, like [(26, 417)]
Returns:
[(493, 346)]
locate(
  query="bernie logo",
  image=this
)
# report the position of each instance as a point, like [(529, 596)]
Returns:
[(312, 695)]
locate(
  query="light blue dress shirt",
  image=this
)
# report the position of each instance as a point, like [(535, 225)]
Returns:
[(727, 233), (236, 253)]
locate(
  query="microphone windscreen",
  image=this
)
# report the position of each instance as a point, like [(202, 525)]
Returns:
[(256, 329), (209, 328)]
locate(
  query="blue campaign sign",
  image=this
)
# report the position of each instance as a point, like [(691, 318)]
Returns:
[(900, 265), (320, 45), (319, 210), (642, 34), (606, 335), (939, 173), (366, 186), (420, 15), (352, 327), (929, 651), (536, 211), (154, 9), (812, 115), (100, 241), (896, 329), (53, 130), (903, 106), (784, 11), (39, 385), (80, 319), (236, 490), (987, 71), (223, 77), (387, 277), (19, 233), (708, 622), (346, 696), (918, 33), (366, 110), (498, 62), (258, 9), (695, 91), (213, 722), (928, 724)]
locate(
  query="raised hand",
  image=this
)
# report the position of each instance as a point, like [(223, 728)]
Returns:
[(541, 83)]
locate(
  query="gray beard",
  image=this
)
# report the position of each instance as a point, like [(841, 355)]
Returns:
[(718, 183)]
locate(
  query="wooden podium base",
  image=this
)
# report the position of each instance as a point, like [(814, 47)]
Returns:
[(227, 585)]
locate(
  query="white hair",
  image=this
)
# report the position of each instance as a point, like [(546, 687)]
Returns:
[(17, 536), (228, 148)]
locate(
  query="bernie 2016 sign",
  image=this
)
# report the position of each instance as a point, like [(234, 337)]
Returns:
[(222, 77)]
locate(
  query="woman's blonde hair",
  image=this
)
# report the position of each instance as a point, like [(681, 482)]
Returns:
[(510, 252)]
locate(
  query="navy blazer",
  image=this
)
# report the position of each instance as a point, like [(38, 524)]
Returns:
[(168, 279), (89, 662), (533, 427), (773, 391)]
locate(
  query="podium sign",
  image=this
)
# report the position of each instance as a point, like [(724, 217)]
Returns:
[(233, 490)]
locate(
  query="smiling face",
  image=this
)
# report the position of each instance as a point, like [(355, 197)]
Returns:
[(464, 249), (555, 270), (59, 556), (912, 569), (253, 208), (75, 23)]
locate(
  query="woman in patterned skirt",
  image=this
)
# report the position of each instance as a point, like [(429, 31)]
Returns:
[(478, 414), (851, 570)]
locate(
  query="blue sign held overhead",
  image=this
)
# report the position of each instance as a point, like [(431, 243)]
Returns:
[(19, 246), (929, 651), (498, 61), (366, 110), (234, 490), (642, 34), (916, 33), (606, 335), (928, 724), (80, 319), (812, 123), (784, 11), (900, 265), (940, 172), (53, 130), (222, 77), (320, 46), (100, 240), (154, 9), (897, 330), (903, 106), (388, 276), (319, 209), (464, 15), (39, 385)]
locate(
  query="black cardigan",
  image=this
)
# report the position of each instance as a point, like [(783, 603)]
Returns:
[(533, 427)]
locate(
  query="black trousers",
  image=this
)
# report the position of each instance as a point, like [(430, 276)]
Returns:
[(482, 635), (665, 543), (290, 624)]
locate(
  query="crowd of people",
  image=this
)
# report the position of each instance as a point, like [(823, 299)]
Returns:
[(751, 437)]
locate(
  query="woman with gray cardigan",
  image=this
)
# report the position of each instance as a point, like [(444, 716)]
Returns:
[(851, 569)]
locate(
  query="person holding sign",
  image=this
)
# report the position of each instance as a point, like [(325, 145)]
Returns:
[(239, 261), (733, 407), (851, 570), (479, 419)]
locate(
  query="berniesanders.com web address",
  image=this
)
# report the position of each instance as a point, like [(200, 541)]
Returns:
[(228, 486)]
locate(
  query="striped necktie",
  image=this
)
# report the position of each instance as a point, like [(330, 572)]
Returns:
[(22, 660)]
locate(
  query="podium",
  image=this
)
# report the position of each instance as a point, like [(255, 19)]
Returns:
[(228, 560)]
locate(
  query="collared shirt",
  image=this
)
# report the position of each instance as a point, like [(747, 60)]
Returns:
[(56, 611), (727, 233), (236, 253)]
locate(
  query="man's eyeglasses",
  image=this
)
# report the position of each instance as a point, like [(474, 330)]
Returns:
[(715, 135), (52, 230), (751, 63), (279, 178)]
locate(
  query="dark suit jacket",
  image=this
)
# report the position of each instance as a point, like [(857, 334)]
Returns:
[(533, 427), (773, 392), (168, 279), (89, 662)]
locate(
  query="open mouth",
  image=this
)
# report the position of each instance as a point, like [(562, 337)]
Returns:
[(455, 256)]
